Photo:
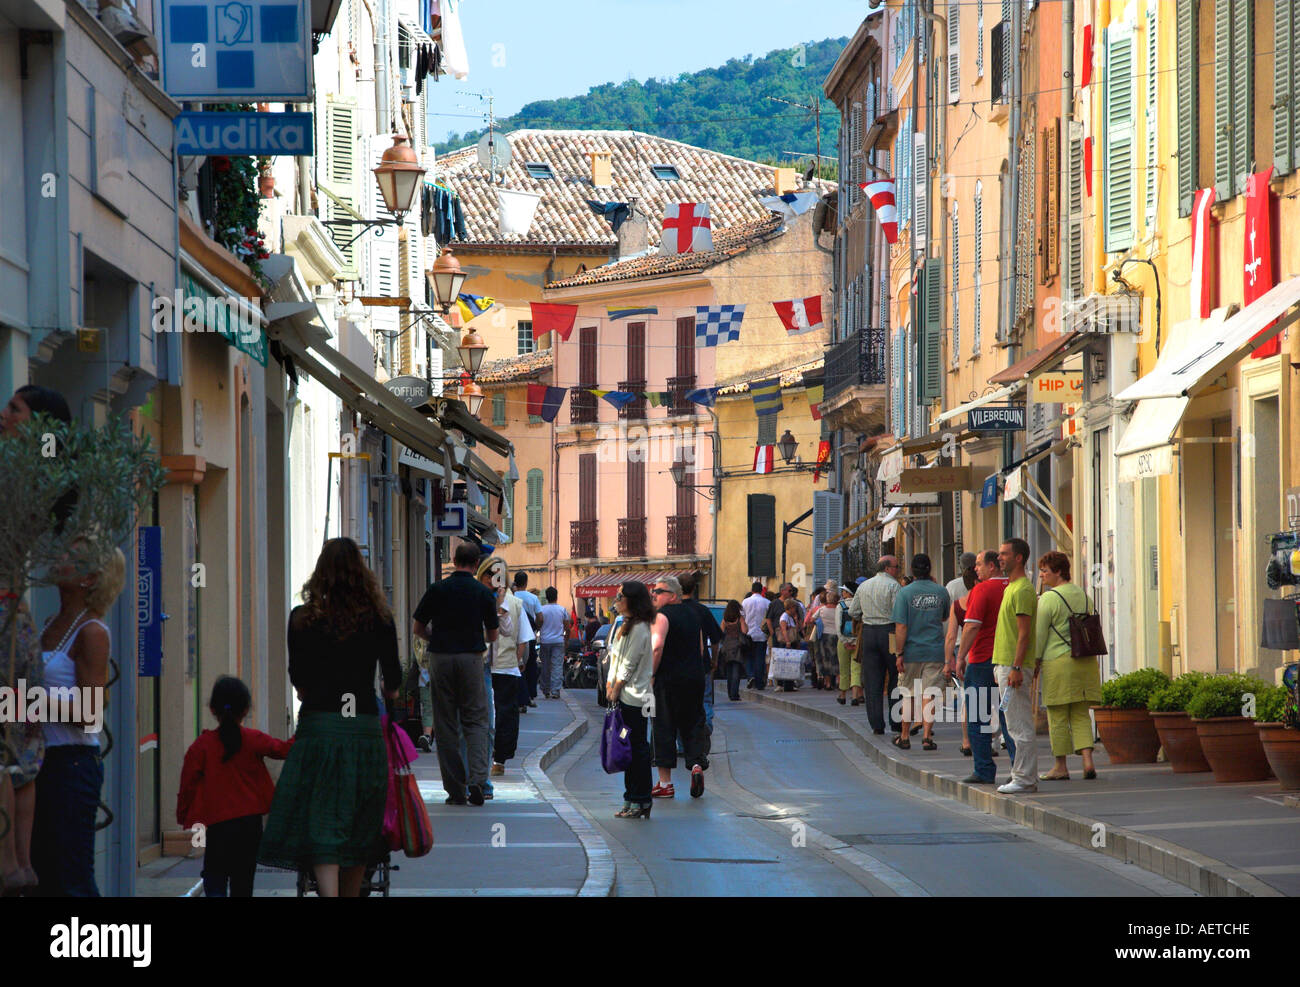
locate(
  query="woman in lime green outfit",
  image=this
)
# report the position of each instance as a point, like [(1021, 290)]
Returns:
[(1070, 685), (845, 647)]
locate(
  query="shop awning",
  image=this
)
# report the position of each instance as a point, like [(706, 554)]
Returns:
[(453, 414), (1215, 344), (608, 583), (1146, 448), (936, 440), (1039, 359), (1000, 394)]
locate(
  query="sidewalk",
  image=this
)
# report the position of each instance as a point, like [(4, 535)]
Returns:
[(1222, 840), (526, 841)]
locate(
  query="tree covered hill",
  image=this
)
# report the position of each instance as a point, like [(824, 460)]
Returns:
[(724, 109)]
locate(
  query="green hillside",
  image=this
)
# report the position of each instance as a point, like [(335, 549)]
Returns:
[(724, 109)]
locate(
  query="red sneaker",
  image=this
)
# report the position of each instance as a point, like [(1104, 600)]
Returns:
[(697, 781), (663, 791)]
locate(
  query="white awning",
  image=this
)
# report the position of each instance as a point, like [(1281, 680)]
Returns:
[(1215, 344), (979, 402), (1146, 448)]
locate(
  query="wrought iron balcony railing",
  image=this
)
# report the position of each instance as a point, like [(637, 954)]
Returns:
[(631, 536), (635, 409), (582, 539), (582, 406), (679, 387), (860, 359), (681, 534)]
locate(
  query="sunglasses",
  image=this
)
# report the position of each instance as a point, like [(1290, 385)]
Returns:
[(657, 591)]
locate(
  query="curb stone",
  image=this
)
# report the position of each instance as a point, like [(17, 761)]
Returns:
[(1201, 873)]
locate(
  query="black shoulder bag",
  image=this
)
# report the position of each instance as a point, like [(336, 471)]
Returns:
[(1086, 638)]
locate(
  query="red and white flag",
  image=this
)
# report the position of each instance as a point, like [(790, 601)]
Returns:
[(1202, 274), (687, 228), (800, 315), (1257, 272), (881, 196), (763, 459)]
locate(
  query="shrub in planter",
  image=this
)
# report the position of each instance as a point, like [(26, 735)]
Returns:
[(1228, 735), (1126, 728), (1281, 743), (1168, 708)]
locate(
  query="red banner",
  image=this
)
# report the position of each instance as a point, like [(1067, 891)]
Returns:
[(1258, 270), (553, 317)]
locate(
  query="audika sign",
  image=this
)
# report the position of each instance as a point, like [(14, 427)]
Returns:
[(148, 602)]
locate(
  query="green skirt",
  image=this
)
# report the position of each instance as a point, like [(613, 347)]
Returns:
[(329, 802)]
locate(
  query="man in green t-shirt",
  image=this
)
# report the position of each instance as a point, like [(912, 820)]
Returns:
[(1013, 647)]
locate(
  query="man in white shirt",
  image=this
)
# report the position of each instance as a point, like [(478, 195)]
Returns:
[(532, 667), (550, 638), (754, 607), (873, 607)]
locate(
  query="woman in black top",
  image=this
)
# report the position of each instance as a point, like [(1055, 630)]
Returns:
[(328, 810)]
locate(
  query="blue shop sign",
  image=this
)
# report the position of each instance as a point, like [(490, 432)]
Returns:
[(148, 605), (244, 134), (997, 418), (236, 52), (989, 494)]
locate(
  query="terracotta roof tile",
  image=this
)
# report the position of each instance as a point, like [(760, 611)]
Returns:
[(791, 377), (520, 367)]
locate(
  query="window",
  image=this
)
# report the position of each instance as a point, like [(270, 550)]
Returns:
[(499, 408), (666, 173), (979, 260), (534, 509), (979, 39), (1118, 155), (538, 170), (761, 510), (1188, 34), (587, 486), (524, 333)]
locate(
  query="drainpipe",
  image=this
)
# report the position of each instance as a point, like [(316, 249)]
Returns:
[(382, 121)]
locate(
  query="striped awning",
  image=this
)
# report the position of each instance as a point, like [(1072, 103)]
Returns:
[(607, 583)]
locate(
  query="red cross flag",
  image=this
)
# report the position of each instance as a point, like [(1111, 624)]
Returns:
[(687, 228), (881, 194), (800, 315), (1202, 253), (1257, 271)]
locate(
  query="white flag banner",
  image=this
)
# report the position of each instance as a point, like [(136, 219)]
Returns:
[(517, 210)]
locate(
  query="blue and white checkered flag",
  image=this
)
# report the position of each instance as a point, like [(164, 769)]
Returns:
[(716, 324)]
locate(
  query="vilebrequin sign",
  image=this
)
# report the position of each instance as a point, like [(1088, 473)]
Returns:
[(261, 134)]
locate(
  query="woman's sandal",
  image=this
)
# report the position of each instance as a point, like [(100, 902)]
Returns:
[(902, 743), (966, 752), (1090, 775), (927, 744), (1052, 777), (631, 811), (840, 700)]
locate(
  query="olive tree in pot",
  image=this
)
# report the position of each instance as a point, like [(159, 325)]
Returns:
[(1223, 708), (1126, 729), (1168, 708), (1281, 740)]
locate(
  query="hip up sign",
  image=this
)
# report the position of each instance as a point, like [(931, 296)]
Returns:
[(236, 51)]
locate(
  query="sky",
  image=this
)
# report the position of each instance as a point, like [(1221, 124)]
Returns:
[(525, 50)]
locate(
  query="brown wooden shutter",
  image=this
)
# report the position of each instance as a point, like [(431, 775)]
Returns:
[(636, 351), (686, 347), (587, 487), (587, 356), (1051, 239), (636, 489), (685, 494)]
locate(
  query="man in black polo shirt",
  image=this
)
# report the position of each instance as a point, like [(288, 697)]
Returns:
[(458, 618), (712, 639), (772, 624)]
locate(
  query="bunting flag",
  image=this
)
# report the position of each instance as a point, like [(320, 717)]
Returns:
[(767, 396), (599, 392), (881, 196), (823, 458), (616, 212), (687, 228), (545, 401), (1202, 278), (619, 399), (816, 393), (763, 458), (470, 306), (659, 399), (1257, 270), (1087, 165), (705, 396), (800, 315), (623, 313), (553, 317), (789, 205), (1086, 76), (716, 324)]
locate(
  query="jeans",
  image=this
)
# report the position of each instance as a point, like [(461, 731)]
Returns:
[(1018, 727), (757, 662), (734, 671), (552, 667), (505, 738), (708, 701), (460, 701), (636, 778), (230, 857), (879, 672), (981, 700), (532, 670), (63, 831), (492, 722)]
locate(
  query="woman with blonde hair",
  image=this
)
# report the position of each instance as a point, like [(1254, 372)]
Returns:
[(328, 810), (76, 644)]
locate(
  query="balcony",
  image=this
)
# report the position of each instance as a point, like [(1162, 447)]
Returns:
[(582, 405), (631, 537), (634, 410), (679, 387), (681, 535), (857, 378), (582, 539)]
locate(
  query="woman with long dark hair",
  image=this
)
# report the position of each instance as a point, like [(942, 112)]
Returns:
[(328, 811), (631, 674), (732, 652)]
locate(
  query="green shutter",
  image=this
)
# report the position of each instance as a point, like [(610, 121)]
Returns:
[(1223, 101), (1118, 157), (499, 408), (1285, 23), (1243, 92), (534, 509), (1188, 104), (761, 509), (929, 377), (508, 516)]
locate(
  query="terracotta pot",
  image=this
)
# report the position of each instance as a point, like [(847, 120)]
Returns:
[(266, 185), (1233, 748), (1128, 735), (1181, 742), (1282, 748)]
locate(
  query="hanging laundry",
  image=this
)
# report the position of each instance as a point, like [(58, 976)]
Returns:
[(619, 399), (448, 215), (426, 210), (454, 55), (615, 212)]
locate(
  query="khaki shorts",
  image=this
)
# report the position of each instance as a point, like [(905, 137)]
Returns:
[(930, 674)]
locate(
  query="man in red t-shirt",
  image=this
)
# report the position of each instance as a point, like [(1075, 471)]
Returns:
[(975, 667)]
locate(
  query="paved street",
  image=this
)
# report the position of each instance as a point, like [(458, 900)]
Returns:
[(866, 834)]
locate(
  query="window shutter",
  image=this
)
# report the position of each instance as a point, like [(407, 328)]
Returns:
[(979, 39), (1222, 101), (900, 383), (828, 518), (761, 511), (954, 52), (922, 186), (956, 282), (979, 263), (930, 359), (587, 486), (499, 408), (1151, 170), (636, 488), (587, 367), (382, 251), (1007, 49), (1243, 92), (1052, 200), (904, 184), (341, 171), (1074, 280), (1188, 103), (1286, 21), (1118, 165), (534, 509)]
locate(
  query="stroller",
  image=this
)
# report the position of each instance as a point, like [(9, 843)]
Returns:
[(376, 881)]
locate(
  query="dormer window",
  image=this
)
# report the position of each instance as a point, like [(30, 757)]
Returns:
[(666, 173), (539, 170)]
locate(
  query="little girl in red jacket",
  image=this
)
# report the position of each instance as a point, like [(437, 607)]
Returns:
[(226, 790)]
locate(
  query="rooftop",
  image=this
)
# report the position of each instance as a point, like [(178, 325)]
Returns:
[(522, 367), (790, 377)]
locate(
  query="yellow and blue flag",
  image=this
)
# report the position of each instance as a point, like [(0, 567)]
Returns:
[(767, 396), (470, 306)]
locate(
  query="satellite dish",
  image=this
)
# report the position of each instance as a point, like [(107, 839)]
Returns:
[(494, 152)]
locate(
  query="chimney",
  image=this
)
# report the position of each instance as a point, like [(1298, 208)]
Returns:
[(633, 234), (601, 168), (784, 180)]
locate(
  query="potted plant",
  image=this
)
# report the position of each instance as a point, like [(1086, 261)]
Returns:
[(1219, 707), (265, 178), (1168, 708), (1281, 742), (1126, 729)]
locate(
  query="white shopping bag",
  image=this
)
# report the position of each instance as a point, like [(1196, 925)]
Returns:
[(787, 664)]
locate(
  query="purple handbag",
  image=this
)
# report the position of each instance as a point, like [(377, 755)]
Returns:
[(615, 742)]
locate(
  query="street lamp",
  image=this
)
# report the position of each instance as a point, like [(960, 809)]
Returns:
[(446, 278), (678, 471), (471, 350), (787, 444), (472, 395), (399, 174)]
